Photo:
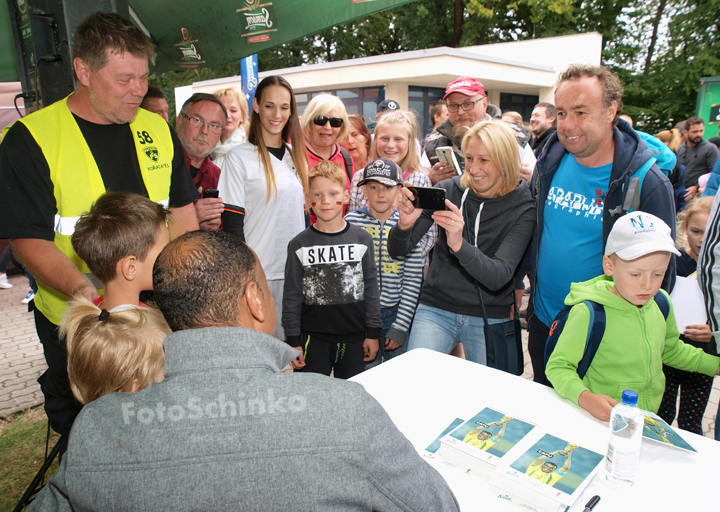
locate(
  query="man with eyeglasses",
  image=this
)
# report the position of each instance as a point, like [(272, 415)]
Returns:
[(466, 104), (56, 162), (199, 126)]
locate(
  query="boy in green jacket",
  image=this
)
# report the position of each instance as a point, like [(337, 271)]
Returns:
[(637, 338)]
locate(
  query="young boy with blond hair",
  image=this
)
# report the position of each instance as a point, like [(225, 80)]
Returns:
[(115, 344), (399, 279), (638, 338), (331, 309)]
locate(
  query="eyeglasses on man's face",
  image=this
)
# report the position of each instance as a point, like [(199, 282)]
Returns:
[(198, 123), (467, 106), (335, 122)]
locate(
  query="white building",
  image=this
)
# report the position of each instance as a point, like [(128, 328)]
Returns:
[(516, 75)]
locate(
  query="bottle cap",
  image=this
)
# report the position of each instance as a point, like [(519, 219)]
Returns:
[(629, 397)]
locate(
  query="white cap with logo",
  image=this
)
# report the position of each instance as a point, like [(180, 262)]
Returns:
[(637, 234)]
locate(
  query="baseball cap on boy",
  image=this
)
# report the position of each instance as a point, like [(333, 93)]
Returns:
[(464, 85), (388, 105), (637, 234), (383, 170)]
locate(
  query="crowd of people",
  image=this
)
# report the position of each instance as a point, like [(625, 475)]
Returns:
[(272, 238)]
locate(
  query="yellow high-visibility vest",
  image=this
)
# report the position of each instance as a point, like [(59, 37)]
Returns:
[(77, 182)]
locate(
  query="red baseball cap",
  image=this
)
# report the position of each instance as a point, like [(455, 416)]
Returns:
[(464, 85)]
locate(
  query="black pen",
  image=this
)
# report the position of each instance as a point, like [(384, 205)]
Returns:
[(590, 504)]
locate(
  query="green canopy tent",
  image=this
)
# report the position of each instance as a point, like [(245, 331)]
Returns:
[(200, 34), (191, 34)]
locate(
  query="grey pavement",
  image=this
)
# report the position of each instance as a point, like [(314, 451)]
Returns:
[(22, 361), (21, 355)]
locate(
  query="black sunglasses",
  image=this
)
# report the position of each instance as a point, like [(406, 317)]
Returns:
[(335, 122)]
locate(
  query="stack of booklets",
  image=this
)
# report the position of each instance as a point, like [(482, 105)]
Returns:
[(525, 464)]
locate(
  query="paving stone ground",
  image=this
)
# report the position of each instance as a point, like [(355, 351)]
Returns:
[(22, 361), (21, 355)]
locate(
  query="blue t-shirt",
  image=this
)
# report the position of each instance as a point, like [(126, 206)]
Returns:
[(571, 248)]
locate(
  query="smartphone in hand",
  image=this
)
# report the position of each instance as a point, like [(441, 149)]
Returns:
[(211, 192), (428, 198), (446, 155)]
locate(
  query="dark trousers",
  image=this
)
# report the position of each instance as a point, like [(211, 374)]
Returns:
[(345, 359), (694, 394), (537, 336), (61, 406)]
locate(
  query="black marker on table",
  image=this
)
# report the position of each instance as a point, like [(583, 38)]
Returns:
[(591, 504)]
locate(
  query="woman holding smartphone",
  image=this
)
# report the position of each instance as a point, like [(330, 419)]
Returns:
[(263, 182), (488, 224)]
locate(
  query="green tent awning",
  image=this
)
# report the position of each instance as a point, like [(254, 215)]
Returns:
[(200, 34), (8, 58), (191, 34)]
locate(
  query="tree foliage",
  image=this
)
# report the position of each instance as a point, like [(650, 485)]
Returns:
[(660, 49), (666, 91)]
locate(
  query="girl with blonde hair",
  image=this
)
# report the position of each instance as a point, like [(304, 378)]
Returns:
[(393, 138), (694, 387), (671, 138), (488, 224), (120, 350)]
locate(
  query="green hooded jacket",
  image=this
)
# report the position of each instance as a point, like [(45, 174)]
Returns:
[(636, 343)]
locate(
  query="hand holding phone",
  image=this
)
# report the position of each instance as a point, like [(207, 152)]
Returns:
[(446, 155), (428, 198)]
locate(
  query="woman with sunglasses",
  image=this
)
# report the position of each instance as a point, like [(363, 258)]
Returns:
[(324, 126), (263, 183)]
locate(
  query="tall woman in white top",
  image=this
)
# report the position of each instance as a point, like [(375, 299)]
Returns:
[(235, 130), (263, 182)]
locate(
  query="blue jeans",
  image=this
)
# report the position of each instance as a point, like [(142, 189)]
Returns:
[(717, 425), (388, 318), (441, 330)]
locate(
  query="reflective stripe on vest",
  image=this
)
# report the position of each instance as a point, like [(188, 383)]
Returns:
[(77, 182), (66, 225)]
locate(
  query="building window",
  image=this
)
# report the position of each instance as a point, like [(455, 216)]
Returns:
[(420, 99), (521, 103)]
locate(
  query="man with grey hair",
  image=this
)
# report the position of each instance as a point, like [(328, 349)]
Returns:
[(199, 125), (585, 176), (227, 429), (55, 162)]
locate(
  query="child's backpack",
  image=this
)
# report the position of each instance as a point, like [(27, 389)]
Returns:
[(596, 330)]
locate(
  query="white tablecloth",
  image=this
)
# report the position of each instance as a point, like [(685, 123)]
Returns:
[(423, 391)]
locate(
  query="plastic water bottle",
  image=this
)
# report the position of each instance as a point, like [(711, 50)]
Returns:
[(626, 431)]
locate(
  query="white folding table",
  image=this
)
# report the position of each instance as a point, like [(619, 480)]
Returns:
[(424, 391)]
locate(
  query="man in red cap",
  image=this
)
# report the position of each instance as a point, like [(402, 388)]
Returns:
[(467, 104)]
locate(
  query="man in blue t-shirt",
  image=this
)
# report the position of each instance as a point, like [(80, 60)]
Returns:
[(583, 175)]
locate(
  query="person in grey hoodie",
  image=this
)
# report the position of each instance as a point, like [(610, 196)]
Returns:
[(226, 430), (484, 232)]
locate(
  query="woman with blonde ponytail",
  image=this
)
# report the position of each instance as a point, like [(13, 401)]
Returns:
[(264, 182)]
